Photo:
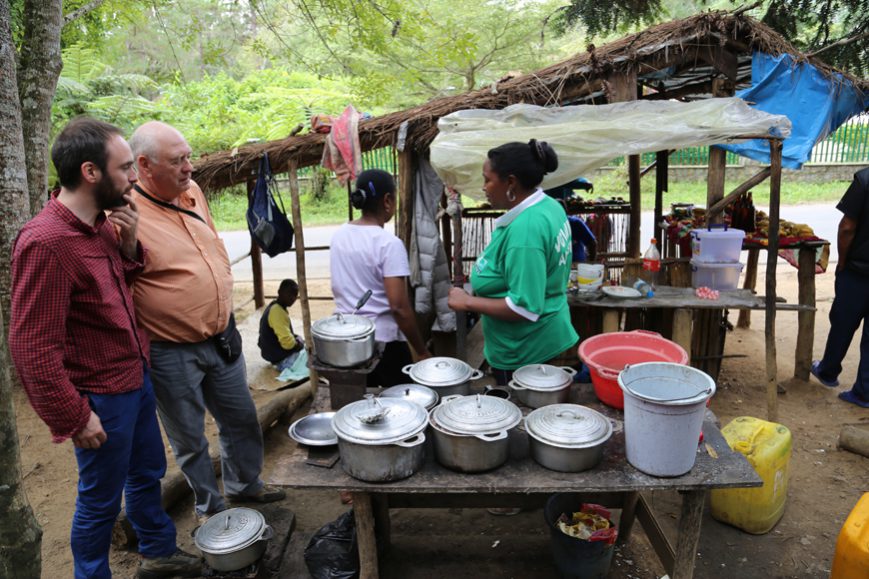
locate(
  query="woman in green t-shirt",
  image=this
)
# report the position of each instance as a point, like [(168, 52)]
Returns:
[(520, 278)]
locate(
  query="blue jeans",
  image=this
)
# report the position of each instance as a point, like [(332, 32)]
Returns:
[(188, 379), (131, 461), (850, 309)]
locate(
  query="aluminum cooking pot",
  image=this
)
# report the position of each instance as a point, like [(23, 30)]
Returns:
[(380, 439), (343, 340), (567, 437), (538, 385), (446, 376), (233, 539)]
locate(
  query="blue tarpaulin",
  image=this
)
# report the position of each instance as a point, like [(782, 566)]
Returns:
[(816, 105)]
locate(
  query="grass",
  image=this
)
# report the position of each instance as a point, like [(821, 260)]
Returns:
[(229, 207)]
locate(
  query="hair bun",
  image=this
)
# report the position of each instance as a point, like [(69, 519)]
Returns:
[(544, 153), (357, 198)]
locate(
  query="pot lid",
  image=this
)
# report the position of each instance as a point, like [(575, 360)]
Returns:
[(568, 426), (440, 371), (542, 377), (379, 420), (343, 326), (422, 395), (230, 530), (477, 414)]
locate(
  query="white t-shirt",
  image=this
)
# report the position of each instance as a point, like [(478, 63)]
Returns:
[(361, 257)]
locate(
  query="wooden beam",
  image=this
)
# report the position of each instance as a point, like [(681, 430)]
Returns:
[(775, 152), (805, 318), (751, 182), (405, 197), (662, 180), (690, 520), (301, 272), (750, 283), (256, 259)]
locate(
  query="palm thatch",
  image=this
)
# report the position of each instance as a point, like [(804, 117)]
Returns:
[(713, 42)]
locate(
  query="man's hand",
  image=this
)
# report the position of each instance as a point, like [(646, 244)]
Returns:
[(92, 435), (126, 219)]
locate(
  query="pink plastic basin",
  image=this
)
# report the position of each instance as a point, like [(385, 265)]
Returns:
[(607, 354)]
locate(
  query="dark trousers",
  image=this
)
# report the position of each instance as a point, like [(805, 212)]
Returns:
[(850, 309), (131, 462), (396, 355)]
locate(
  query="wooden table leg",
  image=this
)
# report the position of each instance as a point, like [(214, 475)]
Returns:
[(610, 320), (382, 525), (805, 319), (682, 327), (750, 283), (364, 514), (626, 521), (689, 533)]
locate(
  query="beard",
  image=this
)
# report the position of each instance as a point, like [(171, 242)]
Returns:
[(108, 196)]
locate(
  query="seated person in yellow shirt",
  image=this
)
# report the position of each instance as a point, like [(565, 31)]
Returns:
[(277, 342)]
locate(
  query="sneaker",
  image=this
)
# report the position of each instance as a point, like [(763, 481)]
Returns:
[(816, 372), (853, 398), (179, 564), (266, 494)]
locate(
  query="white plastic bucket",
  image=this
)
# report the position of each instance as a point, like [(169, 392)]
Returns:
[(716, 245), (590, 274), (664, 408)]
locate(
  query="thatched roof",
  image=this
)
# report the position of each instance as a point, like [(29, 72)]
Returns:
[(678, 59)]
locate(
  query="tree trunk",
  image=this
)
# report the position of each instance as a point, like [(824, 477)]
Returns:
[(20, 534), (39, 69)]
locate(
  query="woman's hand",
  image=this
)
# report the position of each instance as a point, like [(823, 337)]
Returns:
[(459, 300)]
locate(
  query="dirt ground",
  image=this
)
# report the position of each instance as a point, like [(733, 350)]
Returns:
[(825, 482)]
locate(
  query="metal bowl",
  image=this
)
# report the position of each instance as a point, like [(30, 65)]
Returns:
[(314, 430)]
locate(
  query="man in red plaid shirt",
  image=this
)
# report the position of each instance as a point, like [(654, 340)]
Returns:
[(80, 355)]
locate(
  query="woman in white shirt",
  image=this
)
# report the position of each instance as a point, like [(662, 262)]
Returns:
[(366, 257)]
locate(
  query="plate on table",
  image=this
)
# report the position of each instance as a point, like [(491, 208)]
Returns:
[(621, 292), (314, 430)]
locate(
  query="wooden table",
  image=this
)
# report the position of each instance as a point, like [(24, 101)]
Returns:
[(522, 482)]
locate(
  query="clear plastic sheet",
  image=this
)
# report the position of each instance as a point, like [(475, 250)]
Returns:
[(589, 136)]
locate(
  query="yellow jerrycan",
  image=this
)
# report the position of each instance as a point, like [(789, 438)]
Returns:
[(852, 548), (767, 446)]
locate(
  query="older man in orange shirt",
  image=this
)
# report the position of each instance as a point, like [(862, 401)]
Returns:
[(183, 300)]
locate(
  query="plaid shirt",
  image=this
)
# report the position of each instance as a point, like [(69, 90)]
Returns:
[(72, 328)]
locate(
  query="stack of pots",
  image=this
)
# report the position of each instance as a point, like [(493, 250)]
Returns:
[(446, 376), (567, 437), (715, 257), (539, 385), (343, 340), (381, 439), (471, 432)]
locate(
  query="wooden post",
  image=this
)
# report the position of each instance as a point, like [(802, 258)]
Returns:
[(405, 197), (621, 86), (363, 511), (806, 319), (459, 281), (690, 520), (300, 267), (682, 322), (662, 168), (610, 320), (775, 150), (750, 283), (256, 260), (349, 203)]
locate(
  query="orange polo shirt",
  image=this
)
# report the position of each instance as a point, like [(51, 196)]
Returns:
[(184, 295)]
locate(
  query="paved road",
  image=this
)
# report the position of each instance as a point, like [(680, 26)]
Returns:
[(824, 219)]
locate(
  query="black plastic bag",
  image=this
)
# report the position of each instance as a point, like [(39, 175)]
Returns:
[(332, 552)]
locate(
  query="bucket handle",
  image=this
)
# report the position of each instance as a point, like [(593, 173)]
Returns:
[(607, 374)]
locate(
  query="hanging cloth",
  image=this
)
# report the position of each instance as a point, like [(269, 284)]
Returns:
[(341, 152)]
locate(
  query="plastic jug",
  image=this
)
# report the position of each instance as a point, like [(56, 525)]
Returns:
[(852, 549), (767, 446)]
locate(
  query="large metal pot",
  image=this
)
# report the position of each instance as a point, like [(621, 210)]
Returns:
[(446, 376), (343, 340), (567, 437), (380, 439), (233, 539), (471, 432), (422, 395), (539, 385)]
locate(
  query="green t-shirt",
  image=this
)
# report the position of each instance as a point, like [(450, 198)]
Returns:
[(528, 263)]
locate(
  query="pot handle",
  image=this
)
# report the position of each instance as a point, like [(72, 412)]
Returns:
[(492, 437), (569, 370), (268, 533), (412, 441), (450, 398), (476, 375), (407, 369), (512, 384)]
